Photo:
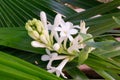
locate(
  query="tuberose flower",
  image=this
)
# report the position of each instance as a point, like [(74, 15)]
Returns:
[(83, 29), (54, 56), (75, 44), (66, 30), (64, 39)]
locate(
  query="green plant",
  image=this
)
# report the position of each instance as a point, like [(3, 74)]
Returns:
[(14, 41)]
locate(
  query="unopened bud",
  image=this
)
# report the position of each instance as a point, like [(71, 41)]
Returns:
[(27, 26), (37, 44), (45, 32), (34, 34), (56, 46), (29, 22), (39, 26), (34, 25), (43, 39)]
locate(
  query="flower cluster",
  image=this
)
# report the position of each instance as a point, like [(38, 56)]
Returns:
[(62, 40)]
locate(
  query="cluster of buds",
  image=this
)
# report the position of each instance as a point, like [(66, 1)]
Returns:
[(62, 40)]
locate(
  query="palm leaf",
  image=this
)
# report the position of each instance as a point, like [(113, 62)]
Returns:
[(19, 69), (14, 39)]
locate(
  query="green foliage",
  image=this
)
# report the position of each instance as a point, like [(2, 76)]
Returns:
[(22, 70), (14, 41)]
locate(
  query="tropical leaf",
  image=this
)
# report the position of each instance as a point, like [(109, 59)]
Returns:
[(103, 8), (76, 74), (85, 4), (15, 41), (15, 13), (16, 37), (20, 69)]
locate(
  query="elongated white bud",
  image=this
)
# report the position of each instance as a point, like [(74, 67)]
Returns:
[(56, 46), (44, 19), (37, 44)]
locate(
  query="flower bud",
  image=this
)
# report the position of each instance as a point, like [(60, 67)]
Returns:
[(56, 46), (39, 26), (43, 39), (27, 26), (34, 25), (44, 19), (46, 34), (29, 22), (34, 34), (37, 44)]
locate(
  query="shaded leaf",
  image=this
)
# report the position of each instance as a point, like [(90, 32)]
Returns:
[(76, 74), (24, 69)]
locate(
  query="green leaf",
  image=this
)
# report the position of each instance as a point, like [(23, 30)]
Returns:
[(22, 69), (53, 5), (101, 54), (116, 20), (17, 38), (100, 9), (86, 4), (83, 55), (102, 24), (105, 45), (104, 74), (27, 56), (16, 13), (111, 53), (15, 74), (76, 74), (104, 63)]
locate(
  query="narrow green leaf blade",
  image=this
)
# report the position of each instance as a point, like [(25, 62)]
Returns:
[(17, 38), (77, 74), (21, 66)]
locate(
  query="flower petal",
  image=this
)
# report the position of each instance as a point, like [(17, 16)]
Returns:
[(44, 19), (37, 44), (45, 57), (67, 26), (56, 46), (43, 38), (73, 31), (58, 29), (54, 55), (57, 19), (62, 34), (47, 51), (70, 38)]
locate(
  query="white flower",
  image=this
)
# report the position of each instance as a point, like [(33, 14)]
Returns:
[(58, 19), (56, 46), (49, 26), (76, 45), (58, 69), (82, 27), (44, 20), (66, 30), (37, 44), (56, 37), (51, 57), (54, 56)]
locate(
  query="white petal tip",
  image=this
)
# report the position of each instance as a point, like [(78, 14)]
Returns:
[(56, 46), (45, 58), (37, 44)]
